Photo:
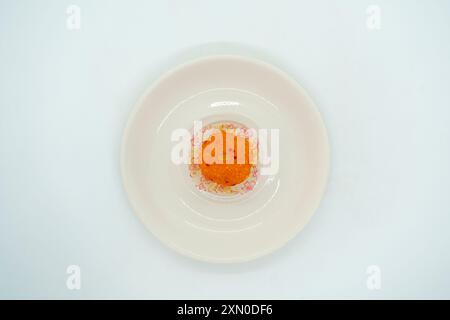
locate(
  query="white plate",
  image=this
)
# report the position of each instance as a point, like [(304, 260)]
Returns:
[(238, 89)]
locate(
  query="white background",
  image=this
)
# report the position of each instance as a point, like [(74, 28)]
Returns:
[(65, 97)]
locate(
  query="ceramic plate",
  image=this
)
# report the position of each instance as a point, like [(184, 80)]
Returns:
[(201, 218)]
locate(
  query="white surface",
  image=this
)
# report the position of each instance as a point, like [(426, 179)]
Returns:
[(65, 97), (225, 231)]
